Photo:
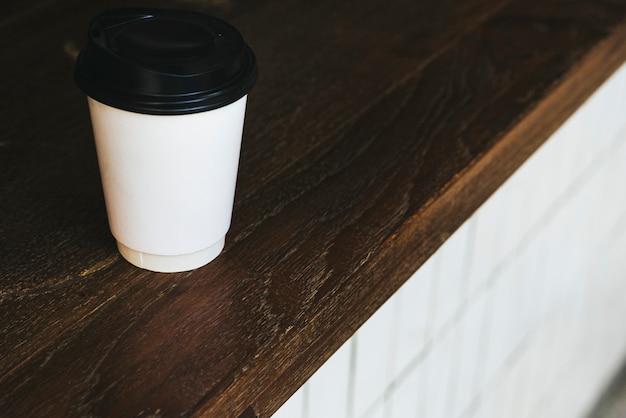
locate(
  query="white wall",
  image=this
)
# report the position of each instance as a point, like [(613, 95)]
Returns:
[(521, 313)]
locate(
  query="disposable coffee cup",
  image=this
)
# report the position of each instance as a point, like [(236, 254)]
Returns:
[(167, 93)]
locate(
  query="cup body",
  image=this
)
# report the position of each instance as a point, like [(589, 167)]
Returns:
[(168, 181)]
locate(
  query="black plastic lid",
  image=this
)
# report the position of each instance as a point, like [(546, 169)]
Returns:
[(164, 62)]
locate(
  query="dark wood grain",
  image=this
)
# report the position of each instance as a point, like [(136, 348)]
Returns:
[(374, 131)]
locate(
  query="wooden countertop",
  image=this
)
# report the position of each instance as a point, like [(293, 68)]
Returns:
[(376, 128)]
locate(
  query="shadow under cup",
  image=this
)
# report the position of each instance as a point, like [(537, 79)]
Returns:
[(167, 94)]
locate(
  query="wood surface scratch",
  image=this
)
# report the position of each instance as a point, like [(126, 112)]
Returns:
[(71, 50), (100, 265)]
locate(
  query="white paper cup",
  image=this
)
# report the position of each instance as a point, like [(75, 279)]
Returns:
[(169, 182), (168, 129)]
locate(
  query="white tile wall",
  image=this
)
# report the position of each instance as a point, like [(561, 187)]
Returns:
[(520, 313)]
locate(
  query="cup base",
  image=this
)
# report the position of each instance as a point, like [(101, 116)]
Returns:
[(171, 263)]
